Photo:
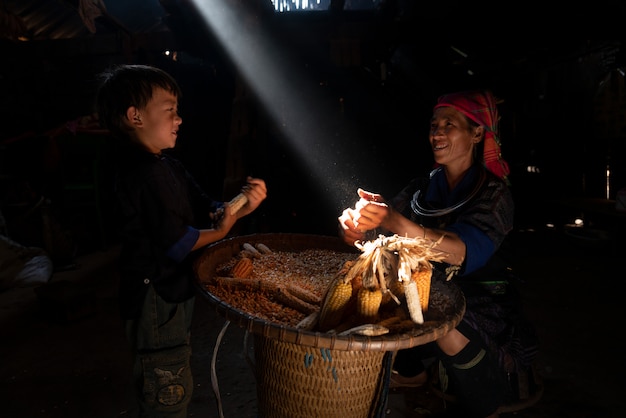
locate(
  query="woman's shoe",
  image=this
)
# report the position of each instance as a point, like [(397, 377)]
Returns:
[(398, 381)]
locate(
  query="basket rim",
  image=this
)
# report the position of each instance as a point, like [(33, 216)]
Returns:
[(423, 334)]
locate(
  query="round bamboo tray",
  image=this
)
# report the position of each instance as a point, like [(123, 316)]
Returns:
[(305, 374), (446, 305)]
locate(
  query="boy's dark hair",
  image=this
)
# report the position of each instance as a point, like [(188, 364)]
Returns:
[(124, 86)]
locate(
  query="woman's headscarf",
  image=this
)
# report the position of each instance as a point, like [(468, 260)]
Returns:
[(480, 106)]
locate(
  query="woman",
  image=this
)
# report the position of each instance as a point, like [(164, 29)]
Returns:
[(466, 200)]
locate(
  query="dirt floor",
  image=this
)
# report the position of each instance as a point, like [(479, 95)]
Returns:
[(64, 355)]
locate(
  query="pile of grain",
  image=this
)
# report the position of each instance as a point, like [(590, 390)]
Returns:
[(311, 270)]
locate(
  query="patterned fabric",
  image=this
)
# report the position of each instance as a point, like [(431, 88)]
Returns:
[(500, 322), (480, 106), (495, 312)]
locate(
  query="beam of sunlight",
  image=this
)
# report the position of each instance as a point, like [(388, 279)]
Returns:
[(296, 108)]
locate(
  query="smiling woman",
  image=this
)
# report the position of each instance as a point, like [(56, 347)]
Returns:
[(466, 206)]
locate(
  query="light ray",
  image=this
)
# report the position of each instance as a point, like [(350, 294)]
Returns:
[(295, 105)]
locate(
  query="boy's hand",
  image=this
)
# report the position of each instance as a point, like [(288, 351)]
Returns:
[(226, 222), (256, 192), (216, 216)]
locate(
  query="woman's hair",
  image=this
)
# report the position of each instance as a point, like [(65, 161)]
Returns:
[(477, 153), (124, 86)]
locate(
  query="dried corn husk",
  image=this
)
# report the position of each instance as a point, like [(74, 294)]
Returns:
[(387, 265)]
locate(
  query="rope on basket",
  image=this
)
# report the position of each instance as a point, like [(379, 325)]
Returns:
[(214, 383)]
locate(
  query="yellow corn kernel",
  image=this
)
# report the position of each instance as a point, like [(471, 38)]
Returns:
[(422, 278), (368, 303), (334, 304), (243, 268)]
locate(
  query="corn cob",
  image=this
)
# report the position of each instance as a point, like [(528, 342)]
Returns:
[(303, 294), (247, 284), (394, 287), (413, 301), (357, 284), (334, 304), (368, 303), (243, 268), (250, 248), (293, 302), (370, 330), (246, 254), (237, 203), (422, 276), (401, 326), (387, 322), (264, 249), (345, 268), (309, 322)]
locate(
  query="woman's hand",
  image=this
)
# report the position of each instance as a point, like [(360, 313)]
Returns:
[(368, 214), (348, 231), (372, 211)]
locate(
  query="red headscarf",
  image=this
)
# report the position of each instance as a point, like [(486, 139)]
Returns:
[(480, 106)]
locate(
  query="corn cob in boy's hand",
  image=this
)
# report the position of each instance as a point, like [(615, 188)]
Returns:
[(237, 203)]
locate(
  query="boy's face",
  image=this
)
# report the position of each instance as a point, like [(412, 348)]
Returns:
[(156, 125)]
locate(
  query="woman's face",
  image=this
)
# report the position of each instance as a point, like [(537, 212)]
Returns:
[(452, 138)]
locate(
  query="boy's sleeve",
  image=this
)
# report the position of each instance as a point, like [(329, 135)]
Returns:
[(183, 247)]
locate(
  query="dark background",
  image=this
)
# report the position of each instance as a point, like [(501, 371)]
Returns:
[(366, 83), (367, 77)]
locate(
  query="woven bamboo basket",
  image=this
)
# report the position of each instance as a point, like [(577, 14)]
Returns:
[(312, 374), (298, 381)]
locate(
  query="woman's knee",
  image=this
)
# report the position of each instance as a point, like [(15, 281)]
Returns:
[(452, 343)]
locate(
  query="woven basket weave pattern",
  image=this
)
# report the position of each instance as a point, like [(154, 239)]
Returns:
[(295, 381)]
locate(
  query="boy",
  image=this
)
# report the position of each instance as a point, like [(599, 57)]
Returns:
[(163, 218)]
